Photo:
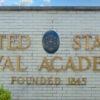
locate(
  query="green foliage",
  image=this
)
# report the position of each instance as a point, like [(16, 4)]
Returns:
[(4, 94)]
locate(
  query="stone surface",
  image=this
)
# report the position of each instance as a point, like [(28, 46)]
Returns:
[(35, 24)]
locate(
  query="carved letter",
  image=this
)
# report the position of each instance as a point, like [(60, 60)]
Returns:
[(8, 64), (87, 37), (13, 79), (80, 63), (20, 42), (78, 43), (96, 62), (70, 64), (44, 65), (96, 42), (18, 65), (52, 64), (11, 39)]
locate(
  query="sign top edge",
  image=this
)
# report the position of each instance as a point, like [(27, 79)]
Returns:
[(50, 8)]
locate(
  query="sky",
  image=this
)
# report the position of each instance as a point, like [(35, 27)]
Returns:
[(49, 2)]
